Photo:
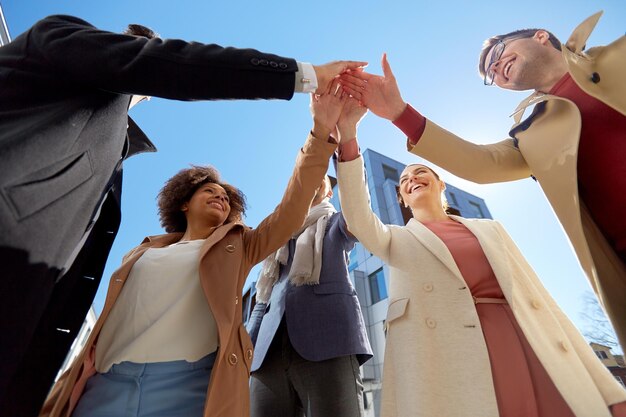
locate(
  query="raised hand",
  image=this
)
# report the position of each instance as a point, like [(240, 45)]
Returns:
[(327, 72), (326, 109), (378, 93), (349, 119)]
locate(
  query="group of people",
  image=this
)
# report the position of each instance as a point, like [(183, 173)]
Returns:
[(471, 331)]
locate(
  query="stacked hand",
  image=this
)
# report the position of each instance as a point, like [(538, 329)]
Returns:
[(378, 93), (326, 109), (326, 73), (349, 119)]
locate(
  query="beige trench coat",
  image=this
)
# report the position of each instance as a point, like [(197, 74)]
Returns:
[(548, 149), (436, 359), (225, 261)]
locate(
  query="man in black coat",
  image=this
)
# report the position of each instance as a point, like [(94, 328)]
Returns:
[(65, 90)]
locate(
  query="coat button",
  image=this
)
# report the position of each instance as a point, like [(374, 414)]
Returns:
[(249, 354), (563, 346), (282, 65), (535, 304), (595, 78), (230, 248), (232, 359), (273, 64), (264, 62), (428, 287), (431, 323), (254, 61), (236, 300)]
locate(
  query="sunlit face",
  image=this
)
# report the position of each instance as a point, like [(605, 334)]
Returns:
[(209, 204), (523, 63), (419, 186)]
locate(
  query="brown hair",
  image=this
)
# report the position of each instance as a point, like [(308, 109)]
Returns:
[(444, 200), (139, 30), (517, 34), (180, 188)]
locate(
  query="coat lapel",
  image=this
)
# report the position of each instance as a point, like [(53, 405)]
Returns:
[(216, 236), (430, 240)]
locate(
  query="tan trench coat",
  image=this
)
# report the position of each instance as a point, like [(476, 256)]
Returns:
[(225, 261), (548, 149), (436, 358)]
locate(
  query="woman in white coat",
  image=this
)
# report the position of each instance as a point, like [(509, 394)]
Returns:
[(471, 331)]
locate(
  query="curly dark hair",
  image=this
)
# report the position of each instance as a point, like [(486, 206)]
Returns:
[(180, 188)]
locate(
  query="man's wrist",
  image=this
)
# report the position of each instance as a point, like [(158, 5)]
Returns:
[(306, 79)]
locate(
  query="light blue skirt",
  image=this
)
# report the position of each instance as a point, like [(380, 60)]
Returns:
[(163, 389)]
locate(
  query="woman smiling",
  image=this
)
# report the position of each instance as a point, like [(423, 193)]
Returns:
[(170, 339)]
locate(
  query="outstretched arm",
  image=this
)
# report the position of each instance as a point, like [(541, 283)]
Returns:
[(353, 194), (496, 162), (311, 166), (356, 210), (168, 68)]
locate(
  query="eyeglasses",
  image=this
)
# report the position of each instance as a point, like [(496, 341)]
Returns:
[(496, 53)]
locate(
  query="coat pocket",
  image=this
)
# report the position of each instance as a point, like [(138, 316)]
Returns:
[(42, 188), (396, 309)]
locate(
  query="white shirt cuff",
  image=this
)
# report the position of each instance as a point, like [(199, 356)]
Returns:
[(306, 80)]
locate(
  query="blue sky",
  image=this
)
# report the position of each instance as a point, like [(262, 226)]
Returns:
[(432, 47)]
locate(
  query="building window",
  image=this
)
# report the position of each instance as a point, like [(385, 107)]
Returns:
[(390, 173), (378, 289), (353, 260), (477, 210), (601, 354)]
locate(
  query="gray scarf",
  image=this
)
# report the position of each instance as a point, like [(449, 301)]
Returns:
[(307, 257)]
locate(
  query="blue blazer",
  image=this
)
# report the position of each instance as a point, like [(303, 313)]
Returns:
[(324, 321)]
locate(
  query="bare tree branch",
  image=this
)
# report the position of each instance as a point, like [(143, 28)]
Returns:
[(598, 329)]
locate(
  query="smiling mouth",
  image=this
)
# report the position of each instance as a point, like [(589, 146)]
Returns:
[(216, 205), (415, 188)]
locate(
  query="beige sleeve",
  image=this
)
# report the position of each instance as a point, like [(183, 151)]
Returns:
[(483, 164)]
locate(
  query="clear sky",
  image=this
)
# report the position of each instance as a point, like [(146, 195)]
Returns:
[(432, 47)]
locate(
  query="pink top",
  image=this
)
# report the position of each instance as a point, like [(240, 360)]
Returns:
[(469, 257)]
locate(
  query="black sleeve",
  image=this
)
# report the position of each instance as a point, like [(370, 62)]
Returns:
[(169, 68)]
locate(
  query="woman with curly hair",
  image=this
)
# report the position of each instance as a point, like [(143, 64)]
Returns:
[(170, 339)]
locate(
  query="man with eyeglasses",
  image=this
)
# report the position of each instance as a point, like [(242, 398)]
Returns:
[(573, 143)]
